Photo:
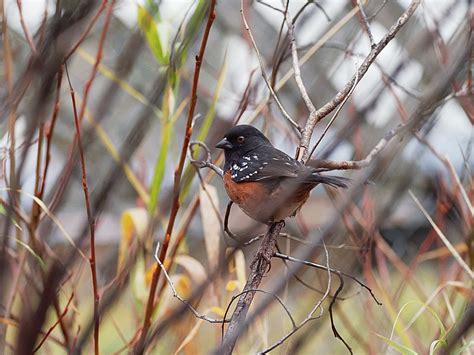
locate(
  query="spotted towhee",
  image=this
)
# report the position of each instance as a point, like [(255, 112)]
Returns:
[(267, 184)]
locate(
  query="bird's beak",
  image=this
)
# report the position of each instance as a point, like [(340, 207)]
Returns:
[(224, 144)]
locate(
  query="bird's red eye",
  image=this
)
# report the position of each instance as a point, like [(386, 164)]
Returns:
[(240, 139)]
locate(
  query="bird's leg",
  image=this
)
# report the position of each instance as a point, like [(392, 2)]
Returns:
[(234, 236), (226, 223)]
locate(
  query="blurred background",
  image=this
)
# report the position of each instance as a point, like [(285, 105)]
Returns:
[(122, 72)]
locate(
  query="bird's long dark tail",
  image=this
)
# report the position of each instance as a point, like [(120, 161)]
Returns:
[(331, 180)]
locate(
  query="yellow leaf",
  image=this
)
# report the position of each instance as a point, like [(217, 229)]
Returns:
[(218, 311), (183, 286), (149, 274), (134, 221), (232, 285), (193, 267), (240, 268), (140, 288)]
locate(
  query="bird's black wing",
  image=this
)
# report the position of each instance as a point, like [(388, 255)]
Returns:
[(265, 163)]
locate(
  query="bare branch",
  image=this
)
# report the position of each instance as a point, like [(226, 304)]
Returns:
[(365, 24), (326, 165), (316, 116), (310, 316), (176, 295), (297, 72), (334, 271), (264, 75), (203, 163), (259, 267), (331, 121), (287, 311)]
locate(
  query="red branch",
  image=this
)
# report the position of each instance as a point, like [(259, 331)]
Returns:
[(50, 330), (87, 30), (177, 181), (90, 218), (27, 33)]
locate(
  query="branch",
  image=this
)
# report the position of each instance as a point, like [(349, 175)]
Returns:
[(365, 23), (140, 347), (316, 115), (203, 163), (264, 75), (26, 31), (90, 218), (326, 165), (287, 311), (310, 316), (260, 265), (182, 300)]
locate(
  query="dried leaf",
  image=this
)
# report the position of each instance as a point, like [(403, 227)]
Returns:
[(192, 333), (240, 268), (218, 311), (193, 267), (232, 285), (209, 202), (133, 221), (140, 289)]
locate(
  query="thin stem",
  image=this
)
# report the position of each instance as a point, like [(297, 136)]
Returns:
[(176, 295), (264, 75), (177, 182), (90, 218), (316, 116), (26, 31)]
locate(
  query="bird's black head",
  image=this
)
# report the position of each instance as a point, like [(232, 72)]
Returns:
[(242, 139)]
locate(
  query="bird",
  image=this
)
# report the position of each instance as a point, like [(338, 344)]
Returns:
[(266, 183)]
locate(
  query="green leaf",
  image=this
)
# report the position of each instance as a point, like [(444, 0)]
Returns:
[(148, 26), (159, 171), (204, 130), (402, 349), (4, 212), (188, 32)]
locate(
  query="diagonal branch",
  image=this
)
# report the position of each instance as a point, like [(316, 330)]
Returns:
[(264, 75), (140, 347), (317, 115), (259, 267)]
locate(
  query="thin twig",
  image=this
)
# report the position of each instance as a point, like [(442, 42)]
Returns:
[(316, 116), (26, 31), (310, 316), (264, 75), (334, 271), (203, 163), (297, 72), (58, 321), (331, 314), (176, 295), (311, 2), (365, 24), (326, 165), (90, 218), (333, 118)]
